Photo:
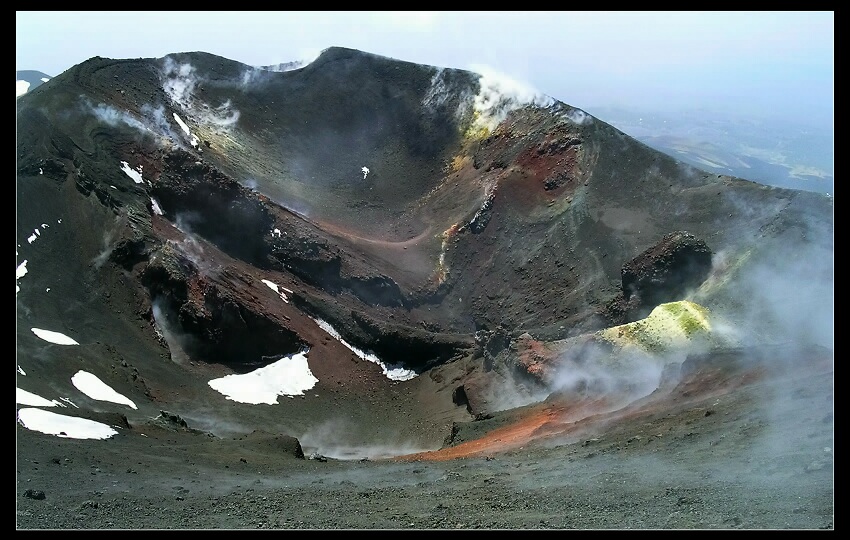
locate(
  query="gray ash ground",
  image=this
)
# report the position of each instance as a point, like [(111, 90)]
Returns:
[(756, 454)]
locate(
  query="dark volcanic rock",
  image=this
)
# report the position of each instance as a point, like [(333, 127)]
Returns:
[(36, 494), (663, 273), (272, 444), (170, 420), (459, 397)]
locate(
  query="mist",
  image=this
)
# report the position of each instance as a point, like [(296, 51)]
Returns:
[(344, 440), (168, 329), (180, 81), (152, 121)]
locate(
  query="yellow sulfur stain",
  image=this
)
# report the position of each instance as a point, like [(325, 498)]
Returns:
[(669, 326)]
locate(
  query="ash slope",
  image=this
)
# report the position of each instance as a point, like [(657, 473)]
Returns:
[(428, 215)]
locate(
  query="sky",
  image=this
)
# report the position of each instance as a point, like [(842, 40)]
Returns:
[(757, 64)]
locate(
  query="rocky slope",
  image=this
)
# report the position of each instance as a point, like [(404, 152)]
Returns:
[(454, 262)]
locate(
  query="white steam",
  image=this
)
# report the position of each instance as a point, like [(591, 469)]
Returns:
[(625, 375), (438, 91), (260, 74), (157, 121), (500, 94), (190, 248), (174, 338), (511, 392), (151, 122), (113, 117), (577, 116), (344, 440), (223, 116), (109, 236), (179, 82), (438, 94), (787, 297), (253, 76)]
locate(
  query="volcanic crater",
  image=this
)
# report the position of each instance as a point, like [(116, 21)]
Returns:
[(468, 276)]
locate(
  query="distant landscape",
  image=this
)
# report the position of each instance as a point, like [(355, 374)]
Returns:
[(777, 152), (26, 80)]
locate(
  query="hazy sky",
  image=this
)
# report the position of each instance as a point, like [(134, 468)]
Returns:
[(755, 62)]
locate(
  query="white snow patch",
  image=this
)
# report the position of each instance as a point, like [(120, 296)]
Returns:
[(273, 286), (62, 425), (289, 376), (394, 372), (135, 174), (34, 400), (21, 270), (194, 140), (54, 337), (69, 402), (90, 385), (157, 209), (365, 171)]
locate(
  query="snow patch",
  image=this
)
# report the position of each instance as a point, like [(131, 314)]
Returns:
[(90, 385), (135, 174), (62, 425), (394, 372), (54, 337), (34, 400), (289, 376), (21, 88), (193, 139), (273, 286)]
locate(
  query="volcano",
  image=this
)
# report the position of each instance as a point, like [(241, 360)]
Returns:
[(292, 296)]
